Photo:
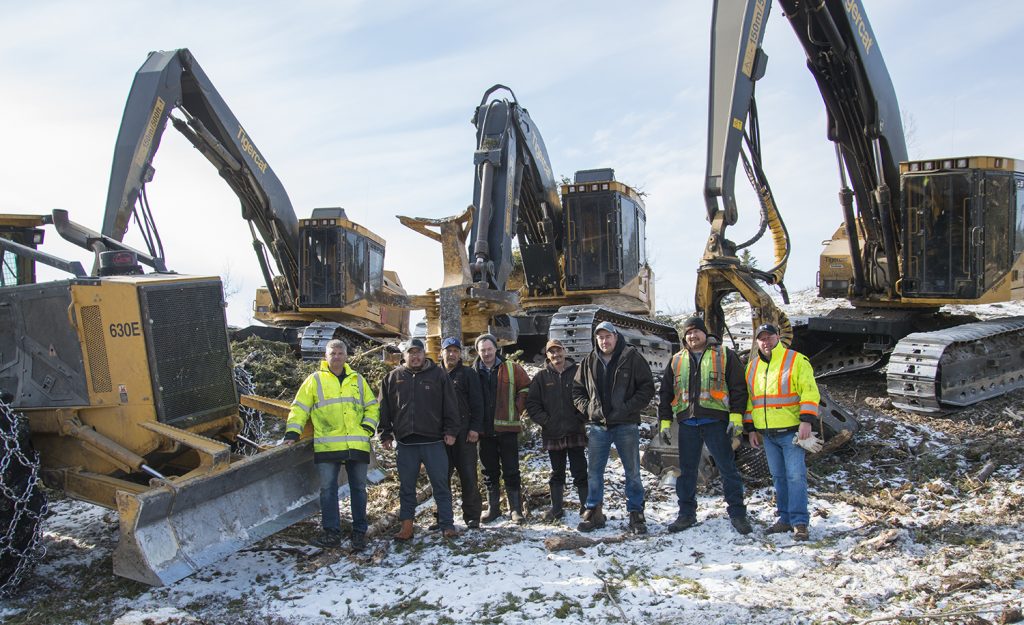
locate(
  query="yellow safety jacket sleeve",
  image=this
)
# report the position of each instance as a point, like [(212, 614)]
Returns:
[(782, 392), (343, 409)]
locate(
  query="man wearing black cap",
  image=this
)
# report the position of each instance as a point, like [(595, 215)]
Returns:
[(563, 429), (462, 456), (418, 407), (613, 384), (704, 391), (783, 402)]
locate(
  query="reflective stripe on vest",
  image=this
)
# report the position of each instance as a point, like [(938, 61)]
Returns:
[(511, 416), (341, 439), (714, 393), (778, 398), (783, 395)]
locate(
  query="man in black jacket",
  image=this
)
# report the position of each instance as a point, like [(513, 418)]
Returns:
[(563, 429), (613, 384), (418, 407), (704, 390), (462, 456)]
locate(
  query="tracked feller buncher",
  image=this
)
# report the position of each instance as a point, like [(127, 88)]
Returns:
[(916, 234), (582, 247), (125, 383), (330, 280)]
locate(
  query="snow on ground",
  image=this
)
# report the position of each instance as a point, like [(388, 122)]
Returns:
[(504, 574), (900, 527)]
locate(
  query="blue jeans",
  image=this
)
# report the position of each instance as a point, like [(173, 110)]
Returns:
[(789, 474), (691, 439), (435, 459), (356, 472), (626, 438)]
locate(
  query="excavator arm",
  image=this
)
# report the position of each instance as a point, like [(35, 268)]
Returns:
[(515, 195), (173, 81), (863, 122)]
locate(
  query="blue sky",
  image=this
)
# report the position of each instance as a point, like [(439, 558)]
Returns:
[(367, 105)]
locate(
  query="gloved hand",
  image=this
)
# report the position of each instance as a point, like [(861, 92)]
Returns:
[(812, 444), (666, 432), (735, 430)]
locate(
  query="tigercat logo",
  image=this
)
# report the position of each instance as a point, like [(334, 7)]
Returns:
[(147, 138), (857, 16), (250, 149), (753, 37)]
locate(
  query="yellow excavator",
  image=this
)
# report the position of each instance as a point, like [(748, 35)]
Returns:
[(330, 280), (118, 389), (916, 234), (582, 246)]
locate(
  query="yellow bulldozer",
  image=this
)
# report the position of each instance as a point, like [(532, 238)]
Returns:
[(118, 389)]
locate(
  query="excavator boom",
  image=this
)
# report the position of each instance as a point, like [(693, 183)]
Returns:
[(916, 234), (323, 274)]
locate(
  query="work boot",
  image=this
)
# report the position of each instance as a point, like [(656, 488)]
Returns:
[(584, 491), (741, 525), (406, 532), (358, 541), (515, 506), (779, 528), (593, 519), (450, 532), (556, 511), (473, 524), (637, 522), (329, 539), (800, 533), (493, 506), (683, 522)]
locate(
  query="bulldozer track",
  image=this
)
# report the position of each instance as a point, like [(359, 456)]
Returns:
[(957, 366), (574, 327)]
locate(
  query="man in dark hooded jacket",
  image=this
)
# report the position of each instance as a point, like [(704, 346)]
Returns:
[(613, 385), (563, 428)]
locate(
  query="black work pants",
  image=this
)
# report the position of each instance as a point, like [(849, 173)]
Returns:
[(577, 457), (462, 458), (499, 455)]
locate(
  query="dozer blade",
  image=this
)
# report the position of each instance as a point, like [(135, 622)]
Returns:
[(169, 532)]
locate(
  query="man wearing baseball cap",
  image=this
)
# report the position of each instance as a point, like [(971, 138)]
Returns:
[(418, 408), (613, 384), (703, 390), (783, 401), (462, 456), (563, 428)]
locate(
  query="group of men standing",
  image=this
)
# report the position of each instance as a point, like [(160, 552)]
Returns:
[(444, 418)]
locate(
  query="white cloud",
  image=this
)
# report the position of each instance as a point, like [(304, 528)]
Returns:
[(367, 106)]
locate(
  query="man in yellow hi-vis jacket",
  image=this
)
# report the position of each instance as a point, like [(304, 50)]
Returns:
[(344, 412), (703, 389), (783, 401)]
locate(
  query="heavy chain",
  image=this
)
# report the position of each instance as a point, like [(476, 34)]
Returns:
[(22, 503), (254, 425)]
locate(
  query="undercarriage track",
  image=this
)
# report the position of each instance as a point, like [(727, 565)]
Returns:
[(957, 366), (574, 327), (315, 336)]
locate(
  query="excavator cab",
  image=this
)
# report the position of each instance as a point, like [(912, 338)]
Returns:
[(341, 264), (963, 225), (605, 223)]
